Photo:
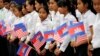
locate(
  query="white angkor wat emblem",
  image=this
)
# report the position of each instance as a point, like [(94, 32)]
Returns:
[(77, 30), (50, 36), (65, 30)]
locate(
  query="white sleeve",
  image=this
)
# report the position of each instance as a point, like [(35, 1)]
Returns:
[(29, 37), (91, 19), (65, 43), (47, 45), (23, 38), (58, 44)]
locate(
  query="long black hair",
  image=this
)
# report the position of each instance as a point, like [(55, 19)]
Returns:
[(90, 5), (67, 4)]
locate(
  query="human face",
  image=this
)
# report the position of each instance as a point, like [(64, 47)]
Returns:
[(1, 4), (96, 5), (12, 6), (29, 7), (24, 11), (37, 5), (62, 10), (16, 12), (81, 7), (53, 5), (42, 14)]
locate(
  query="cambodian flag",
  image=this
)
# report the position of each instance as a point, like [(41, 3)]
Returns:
[(77, 31), (24, 50), (61, 32), (49, 35)]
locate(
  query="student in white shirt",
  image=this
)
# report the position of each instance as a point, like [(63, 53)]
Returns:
[(87, 17), (64, 8), (14, 41), (31, 18), (55, 18), (9, 15), (3, 41), (96, 30), (3, 11), (45, 25)]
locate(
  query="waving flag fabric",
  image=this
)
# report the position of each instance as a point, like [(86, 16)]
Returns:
[(77, 31), (2, 28), (49, 35), (61, 32), (20, 30), (24, 50), (38, 41)]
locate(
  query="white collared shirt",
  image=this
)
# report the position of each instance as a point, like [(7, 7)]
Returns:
[(56, 18), (3, 13), (96, 35), (69, 17), (88, 19), (45, 25), (31, 20), (78, 14)]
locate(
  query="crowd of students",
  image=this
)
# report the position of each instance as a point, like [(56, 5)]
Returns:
[(45, 15)]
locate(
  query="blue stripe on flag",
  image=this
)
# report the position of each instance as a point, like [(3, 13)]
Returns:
[(64, 34), (50, 39)]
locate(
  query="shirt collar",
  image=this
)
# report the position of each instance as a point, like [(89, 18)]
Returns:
[(85, 15)]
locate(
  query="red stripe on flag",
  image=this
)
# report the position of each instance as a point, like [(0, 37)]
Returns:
[(28, 50), (20, 33)]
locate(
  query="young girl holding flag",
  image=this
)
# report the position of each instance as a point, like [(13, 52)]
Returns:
[(45, 25), (96, 30), (65, 8), (31, 19), (55, 18), (87, 17)]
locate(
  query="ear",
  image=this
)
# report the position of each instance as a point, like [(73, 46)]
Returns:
[(86, 5), (33, 6)]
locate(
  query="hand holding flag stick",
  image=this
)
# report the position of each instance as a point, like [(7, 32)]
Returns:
[(38, 41)]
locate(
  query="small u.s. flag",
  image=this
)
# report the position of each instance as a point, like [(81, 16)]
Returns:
[(49, 35), (23, 50), (2, 31), (77, 31), (2, 28), (8, 28), (20, 30), (61, 32), (38, 41)]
